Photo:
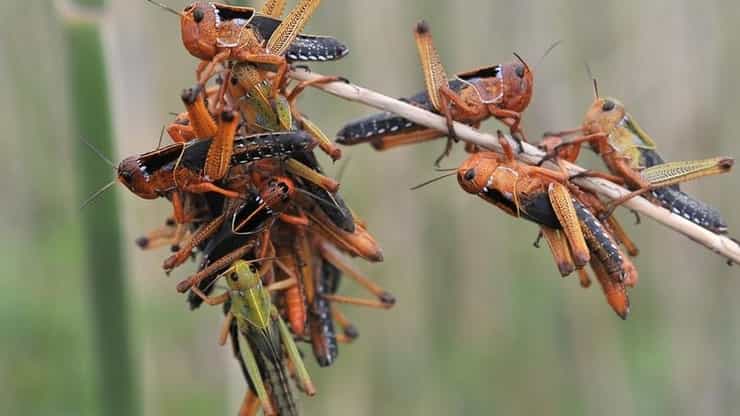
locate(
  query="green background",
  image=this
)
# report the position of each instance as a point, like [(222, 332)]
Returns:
[(483, 323)]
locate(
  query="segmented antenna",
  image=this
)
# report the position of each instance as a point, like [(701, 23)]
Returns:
[(593, 80), (100, 154), (438, 178), (547, 52), (97, 193), (165, 7)]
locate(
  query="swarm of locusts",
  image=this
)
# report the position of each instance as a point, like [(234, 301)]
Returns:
[(270, 232)]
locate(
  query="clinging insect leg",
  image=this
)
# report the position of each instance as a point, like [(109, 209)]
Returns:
[(385, 299)]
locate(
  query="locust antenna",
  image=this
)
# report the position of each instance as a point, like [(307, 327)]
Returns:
[(547, 52), (161, 135), (96, 194), (343, 168), (100, 154), (593, 80), (167, 8), (438, 178)]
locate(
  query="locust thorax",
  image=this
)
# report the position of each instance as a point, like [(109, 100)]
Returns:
[(134, 176), (518, 84)]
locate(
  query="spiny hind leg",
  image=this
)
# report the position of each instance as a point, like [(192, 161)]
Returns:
[(559, 249)]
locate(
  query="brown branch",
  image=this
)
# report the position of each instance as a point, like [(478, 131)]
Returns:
[(719, 244)]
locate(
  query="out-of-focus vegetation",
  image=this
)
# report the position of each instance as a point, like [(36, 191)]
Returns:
[(483, 321)]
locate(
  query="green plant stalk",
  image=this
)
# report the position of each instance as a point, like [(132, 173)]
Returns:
[(89, 101)]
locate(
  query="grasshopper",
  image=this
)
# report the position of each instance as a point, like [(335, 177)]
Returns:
[(501, 91), (630, 154), (266, 338), (575, 235), (216, 33)]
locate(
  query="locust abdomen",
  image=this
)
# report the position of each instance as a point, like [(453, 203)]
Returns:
[(692, 209)]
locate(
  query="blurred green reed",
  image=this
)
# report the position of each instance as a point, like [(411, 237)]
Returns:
[(106, 269)]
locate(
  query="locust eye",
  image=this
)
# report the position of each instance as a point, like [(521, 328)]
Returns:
[(519, 71), (608, 105), (126, 176), (198, 15), (234, 277), (469, 175)]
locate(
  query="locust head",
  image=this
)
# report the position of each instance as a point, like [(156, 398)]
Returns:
[(475, 173), (603, 116), (242, 276), (518, 83), (135, 177), (198, 24)]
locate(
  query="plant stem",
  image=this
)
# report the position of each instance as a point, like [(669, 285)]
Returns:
[(106, 271)]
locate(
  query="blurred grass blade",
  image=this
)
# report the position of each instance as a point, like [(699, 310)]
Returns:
[(91, 118)]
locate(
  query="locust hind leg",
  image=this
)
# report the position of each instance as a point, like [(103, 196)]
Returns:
[(295, 356), (202, 123), (221, 149), (291, 26), (562, 204), (215, 267), (273, 8), (320, 137), (670, 173), (559, 249), (299, 169), (205, 232), (435, 78), (254, 373)]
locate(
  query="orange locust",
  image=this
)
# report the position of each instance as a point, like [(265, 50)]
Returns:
[(217, 33), (575, 235), (502, 91)]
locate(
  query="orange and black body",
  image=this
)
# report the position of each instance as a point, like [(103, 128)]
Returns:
[(385, 126), (205, 27), (178, 166), (601, 243), (485, 90), (541, 196), (304, 48)]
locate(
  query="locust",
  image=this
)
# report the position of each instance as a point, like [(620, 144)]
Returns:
[(631, 156), (500, 91), (266, 338), (576, 237)]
